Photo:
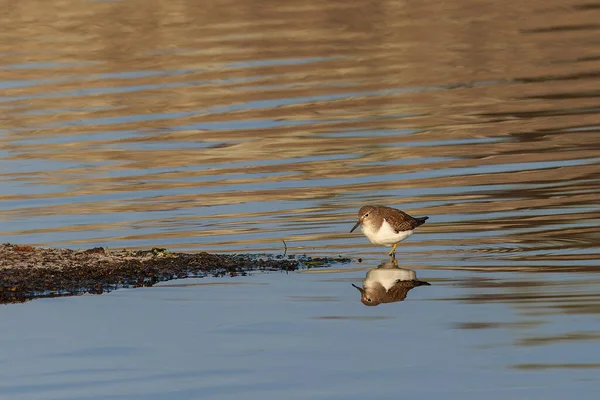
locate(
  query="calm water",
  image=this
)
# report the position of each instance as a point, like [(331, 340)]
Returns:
[(308, 336), (230, 126)]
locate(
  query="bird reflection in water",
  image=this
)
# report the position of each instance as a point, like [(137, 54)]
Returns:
[(387, 284)]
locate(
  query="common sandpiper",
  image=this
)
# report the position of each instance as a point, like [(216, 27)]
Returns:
[(386, 226), (387, 284)]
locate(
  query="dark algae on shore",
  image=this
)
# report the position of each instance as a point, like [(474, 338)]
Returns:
[(28, 272)]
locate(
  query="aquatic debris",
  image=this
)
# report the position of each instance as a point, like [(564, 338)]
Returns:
[(28, 272)]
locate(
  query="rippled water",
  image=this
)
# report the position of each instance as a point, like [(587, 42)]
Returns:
[(230, 126), (235, 125)]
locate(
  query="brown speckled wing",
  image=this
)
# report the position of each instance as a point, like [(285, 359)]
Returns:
[(401, 221), (399, 291)]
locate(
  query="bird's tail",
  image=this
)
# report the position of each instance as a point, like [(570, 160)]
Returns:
[(421, 220)]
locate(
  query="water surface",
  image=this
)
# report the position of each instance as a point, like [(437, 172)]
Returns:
[(306, 336), (233, 125)]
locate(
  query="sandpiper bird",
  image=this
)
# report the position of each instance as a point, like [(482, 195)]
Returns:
[(386, 226), (387, 284)]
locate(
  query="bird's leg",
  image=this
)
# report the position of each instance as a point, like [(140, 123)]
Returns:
[(393, 252)]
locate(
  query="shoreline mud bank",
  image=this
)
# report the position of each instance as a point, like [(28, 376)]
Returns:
[(28, 272)]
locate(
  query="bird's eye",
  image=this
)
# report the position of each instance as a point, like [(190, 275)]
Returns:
[(369, 300), (367, 214)]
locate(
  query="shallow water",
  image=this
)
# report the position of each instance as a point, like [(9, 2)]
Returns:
[(231, 126), (307, 336)]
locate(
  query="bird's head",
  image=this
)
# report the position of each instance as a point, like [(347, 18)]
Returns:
[(365, 298), (364, 214)]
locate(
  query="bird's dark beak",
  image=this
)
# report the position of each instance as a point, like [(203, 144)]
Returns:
[(361, 290), (355, 226)]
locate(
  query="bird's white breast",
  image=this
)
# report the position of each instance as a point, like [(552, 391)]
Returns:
[(387, 277), (386, 235)]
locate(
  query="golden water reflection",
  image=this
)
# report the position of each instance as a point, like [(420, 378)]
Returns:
[(234, 125)]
